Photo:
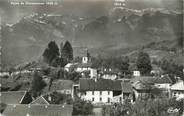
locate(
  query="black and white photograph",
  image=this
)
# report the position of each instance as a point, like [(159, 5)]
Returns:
[(91, 58)]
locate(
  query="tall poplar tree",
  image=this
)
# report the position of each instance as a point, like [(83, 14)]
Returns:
[(144, 63), (67, 52), (51, 52)]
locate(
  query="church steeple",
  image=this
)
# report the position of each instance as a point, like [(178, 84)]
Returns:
[(87, 57)]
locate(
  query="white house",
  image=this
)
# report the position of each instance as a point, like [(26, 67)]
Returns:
[(86, 64), (93, 73), (99, 91), (136, 73), (105, 91), (86, 67), (4, 73), (109, 75), (83, 67), (177, 90), (70, 66)]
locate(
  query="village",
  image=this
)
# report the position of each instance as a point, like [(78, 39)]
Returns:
[(76, 87)]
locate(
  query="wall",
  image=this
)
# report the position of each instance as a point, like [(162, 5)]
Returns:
[(97, 96)]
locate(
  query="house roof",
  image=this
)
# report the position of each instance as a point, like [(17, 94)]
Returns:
[(99, 85), (163, 80), (40, 100), (126, 87), (109, 73), (61, 85), (68, 65), (38, 110), (12, 97), (179, 86), (138, 85), (84, 65), (144, 79), (57, 98), (8, 83), (71, 65)]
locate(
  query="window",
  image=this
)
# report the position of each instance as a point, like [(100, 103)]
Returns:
[(174, 94), (100, 99), (92, 92), (93, 99), (108, 100), (100, 92), (108, 92)]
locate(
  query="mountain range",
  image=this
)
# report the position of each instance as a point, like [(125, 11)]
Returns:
[(117, 32)]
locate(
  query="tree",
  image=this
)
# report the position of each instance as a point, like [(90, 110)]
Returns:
[(67, 52), (51, 52), (74, 76), (144, 63), (58, 62), (172, 69), (124, 65), (96, 62), (37, 84), (180, 42), (61, 47)]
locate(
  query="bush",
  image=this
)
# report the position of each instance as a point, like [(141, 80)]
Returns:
[(81, 107), (150, 107)]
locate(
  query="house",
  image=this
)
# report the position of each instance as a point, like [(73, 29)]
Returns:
[(93, 73), (83, 67), (38, 110), (86, 63), (53, 98), (86, 70), (70, 66), (99, 90), (109, 74), (15, 97), (40, 100), (8, 84), (144, 79), (126, 93), (142, 90), (177, 90), (163, 83), (4, 74), (136, 73), (62, 86), (143, 87)]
